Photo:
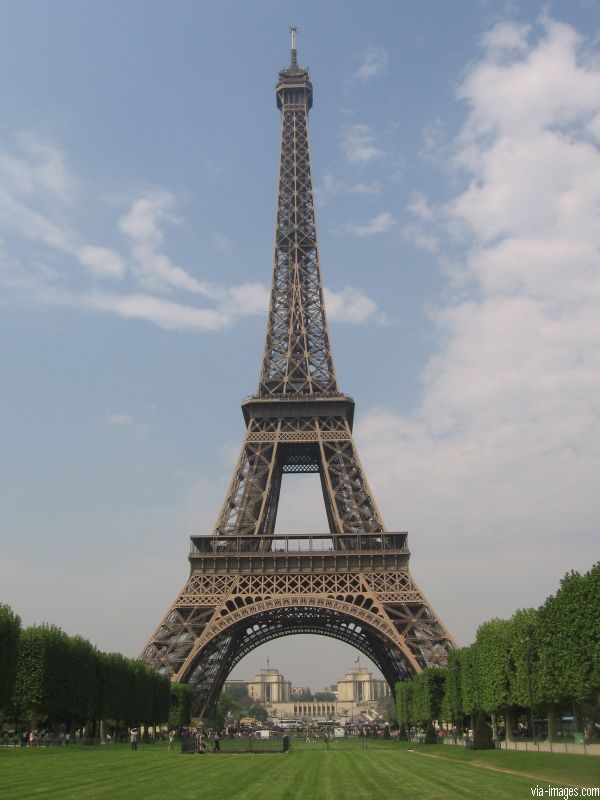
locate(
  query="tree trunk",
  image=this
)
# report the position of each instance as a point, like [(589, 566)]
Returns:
[(482, 734), (552, 721), (494, 727), (578, 714), (508, 724)]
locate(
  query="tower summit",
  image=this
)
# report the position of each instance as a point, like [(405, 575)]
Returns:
[(293, 60), (249, 584), (297, 359)]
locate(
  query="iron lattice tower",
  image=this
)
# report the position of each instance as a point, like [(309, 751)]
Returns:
[(248, 585)]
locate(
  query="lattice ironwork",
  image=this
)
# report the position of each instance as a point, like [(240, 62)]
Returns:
[(357, 588), (297, 358)]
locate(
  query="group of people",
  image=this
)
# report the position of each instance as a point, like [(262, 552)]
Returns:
[(34, 737), (203, 740), (134, 736)]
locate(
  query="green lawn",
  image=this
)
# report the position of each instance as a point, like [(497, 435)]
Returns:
[(309, 772)]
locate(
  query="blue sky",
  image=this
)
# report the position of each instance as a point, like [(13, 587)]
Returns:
[(456, 165)]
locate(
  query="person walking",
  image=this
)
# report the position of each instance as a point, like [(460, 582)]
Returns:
[(217, 743)]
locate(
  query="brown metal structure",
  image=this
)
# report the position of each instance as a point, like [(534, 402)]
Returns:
[(249, 585)]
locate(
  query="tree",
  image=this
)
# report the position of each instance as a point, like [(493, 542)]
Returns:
[(305, 694), (143, 694), (79, 677), (482, 734), (161, 698), (569, 639), (258, 712), (469, 681), (494, 668), (227, 706), (323, 696), (33, 690), (56, 676), (427, 694), (10, 634), (524, 655), (569, 643), (404, 690), (452, 706), (239, 692), (386, 707), (181, 705), (116, 688)]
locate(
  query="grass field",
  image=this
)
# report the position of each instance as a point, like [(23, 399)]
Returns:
[(307, 772)]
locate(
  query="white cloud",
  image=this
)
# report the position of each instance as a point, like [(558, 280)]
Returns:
[(349, 305), (154, 269), (18, 218), (594, 127), (245, 299), (375, 61), (34, 181), (140, 222), (37, 189), (164, 313), (435, 143), (39, 168), (357, 144), (372, 188), (382, 223), (550, 87), (421, 237), (506, 39), (419, 206), (102, 262), (500, 458), (332, 186)]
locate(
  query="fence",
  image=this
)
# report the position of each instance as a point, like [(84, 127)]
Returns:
[(237, 744), (582, 747)]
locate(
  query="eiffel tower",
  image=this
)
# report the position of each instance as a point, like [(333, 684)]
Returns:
[(247, 584)]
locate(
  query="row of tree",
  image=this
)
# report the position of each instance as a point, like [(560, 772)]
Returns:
[(544, 660), (50, 678)]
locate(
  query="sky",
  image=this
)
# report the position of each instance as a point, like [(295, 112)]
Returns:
[(456, 164)]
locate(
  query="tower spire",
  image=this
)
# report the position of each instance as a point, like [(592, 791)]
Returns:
[(297, 358), (294, 58)]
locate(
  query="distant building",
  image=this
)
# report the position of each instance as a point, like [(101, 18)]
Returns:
[(268, 686), (356, 697), (359, 686), (300, 691)]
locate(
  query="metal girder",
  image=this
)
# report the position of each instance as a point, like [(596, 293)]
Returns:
[(361, 592), (297, 358)]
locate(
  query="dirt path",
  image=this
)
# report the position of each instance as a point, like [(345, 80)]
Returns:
[(493, 768)]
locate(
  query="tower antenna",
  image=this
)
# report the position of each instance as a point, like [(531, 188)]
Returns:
[(293, 31)]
